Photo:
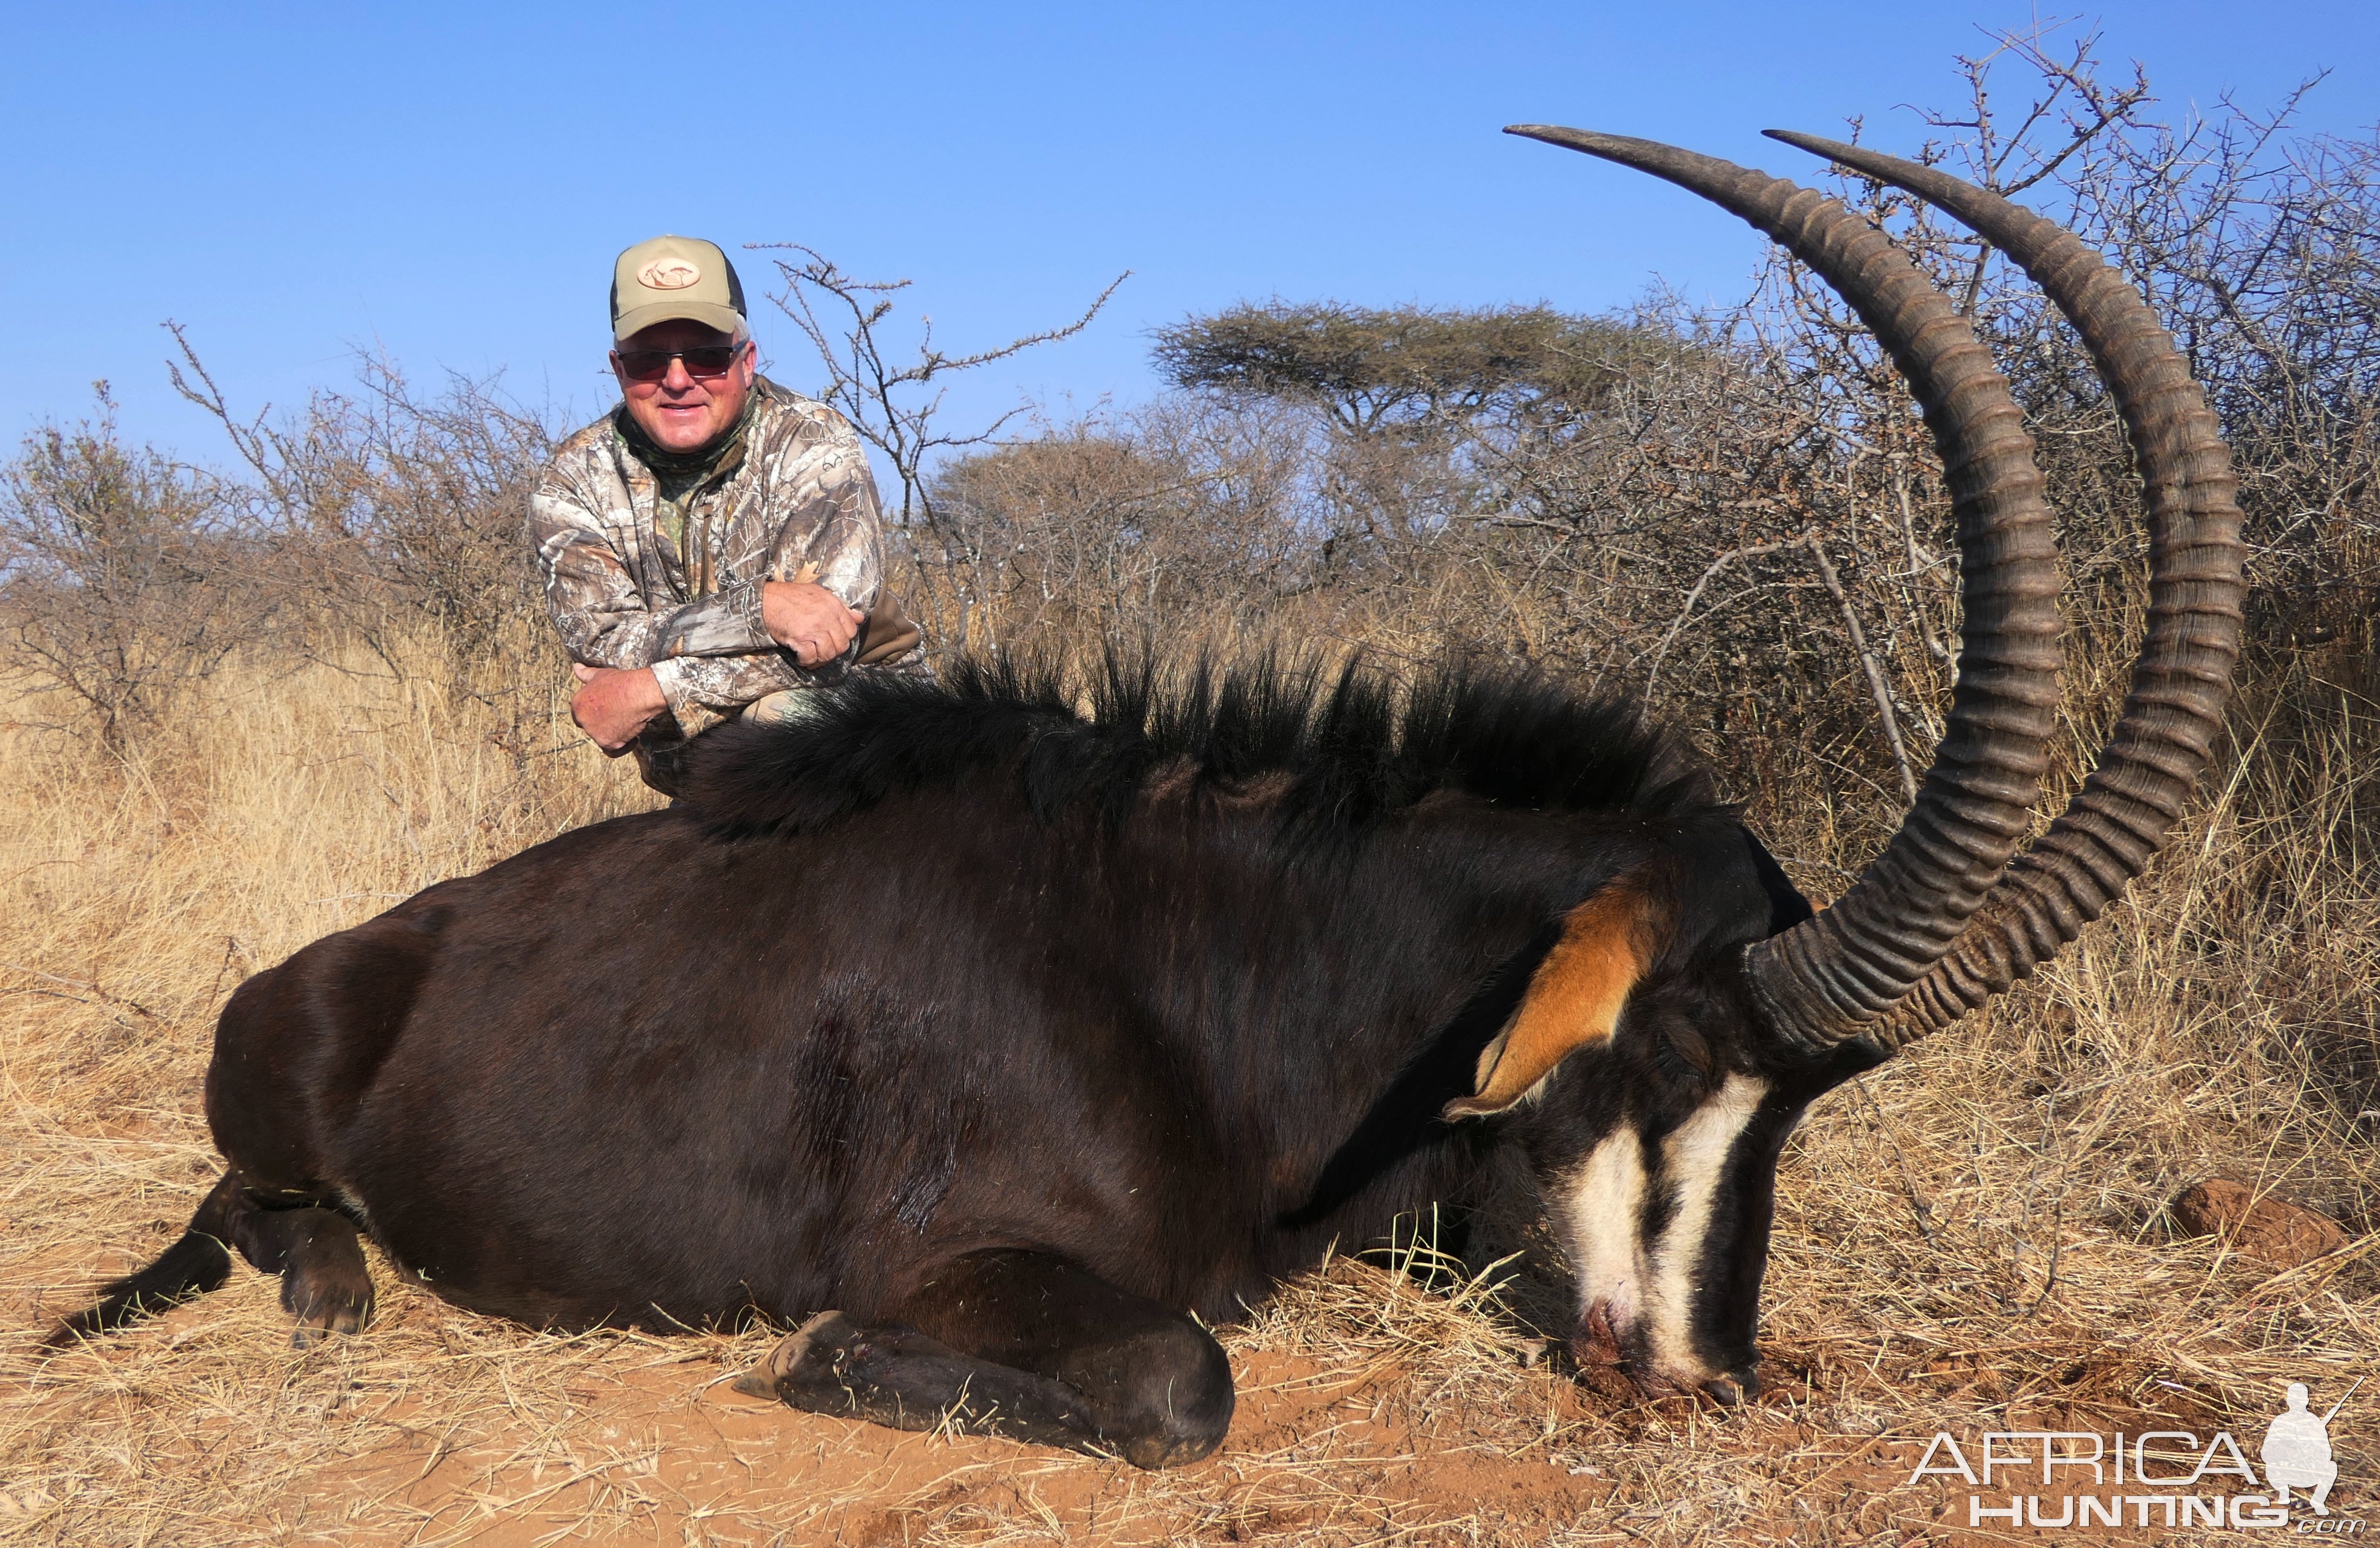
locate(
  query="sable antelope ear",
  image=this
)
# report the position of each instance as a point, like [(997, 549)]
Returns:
[(1573, 997)]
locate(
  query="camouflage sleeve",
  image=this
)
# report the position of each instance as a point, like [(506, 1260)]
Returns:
[(831, 533), (723, 684), (598, 612), (843, 538)]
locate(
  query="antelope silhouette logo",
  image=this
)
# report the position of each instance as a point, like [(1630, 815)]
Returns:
[(668, 274)]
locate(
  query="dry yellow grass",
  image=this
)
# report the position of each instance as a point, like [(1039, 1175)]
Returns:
[(1969, 1239)]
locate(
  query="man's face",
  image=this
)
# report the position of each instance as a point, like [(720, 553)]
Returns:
[(681, 410)]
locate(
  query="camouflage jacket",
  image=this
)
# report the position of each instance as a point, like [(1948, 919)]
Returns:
[(640, 573)]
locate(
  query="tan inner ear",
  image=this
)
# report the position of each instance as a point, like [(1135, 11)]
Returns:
[(1573, 997)]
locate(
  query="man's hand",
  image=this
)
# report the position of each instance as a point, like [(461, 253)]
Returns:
[(807, 620), (612, 705)]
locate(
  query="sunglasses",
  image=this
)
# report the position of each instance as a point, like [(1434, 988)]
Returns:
[(704, 362)]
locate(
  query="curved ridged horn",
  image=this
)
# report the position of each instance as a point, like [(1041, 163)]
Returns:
[(1829, 978), (2125, 810)]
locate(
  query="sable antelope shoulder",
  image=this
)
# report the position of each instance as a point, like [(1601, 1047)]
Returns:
[(1105, 1021)]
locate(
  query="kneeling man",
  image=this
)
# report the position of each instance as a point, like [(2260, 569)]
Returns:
[(713, 547)]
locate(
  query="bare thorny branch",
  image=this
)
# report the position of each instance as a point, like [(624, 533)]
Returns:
[(881, 399), (894, 406), (2068, 94)]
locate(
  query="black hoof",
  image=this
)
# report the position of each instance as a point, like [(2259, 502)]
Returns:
[(808, 1362), (326, 1298)]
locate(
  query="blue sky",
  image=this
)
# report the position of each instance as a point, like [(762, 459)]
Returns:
[(448, 183)]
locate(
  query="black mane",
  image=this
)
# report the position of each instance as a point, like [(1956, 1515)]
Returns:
[(1350, 745)]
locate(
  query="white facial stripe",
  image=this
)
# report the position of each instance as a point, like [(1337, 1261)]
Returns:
[(1693, 1157), (1599, 1211)]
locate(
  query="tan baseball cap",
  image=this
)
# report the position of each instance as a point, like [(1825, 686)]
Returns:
[(672, 278)]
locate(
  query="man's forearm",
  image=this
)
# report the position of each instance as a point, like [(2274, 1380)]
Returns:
[(601, 616), (699, 688), (724, 623)]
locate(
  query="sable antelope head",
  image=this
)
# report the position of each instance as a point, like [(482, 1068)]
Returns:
[(1691, 1010)]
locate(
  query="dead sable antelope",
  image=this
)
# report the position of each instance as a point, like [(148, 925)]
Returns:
[(1054, 1036)]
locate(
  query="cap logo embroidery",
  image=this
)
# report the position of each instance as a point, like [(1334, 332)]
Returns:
[(668, 274)]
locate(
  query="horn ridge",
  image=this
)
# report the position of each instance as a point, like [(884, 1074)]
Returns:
[(2173, 714)]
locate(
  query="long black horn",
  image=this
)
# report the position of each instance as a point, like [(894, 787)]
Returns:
[(1830, 978), (2125, 810)]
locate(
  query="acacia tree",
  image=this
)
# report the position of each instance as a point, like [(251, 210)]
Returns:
[(1401, 398), (1370, 368)]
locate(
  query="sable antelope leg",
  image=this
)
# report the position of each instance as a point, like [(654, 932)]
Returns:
[(890, 1373), (1021, 1344), (325, 1283), (320, 1258), (193, 1266)]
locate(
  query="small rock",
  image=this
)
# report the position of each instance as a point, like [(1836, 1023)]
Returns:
[(2281, 1234)]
